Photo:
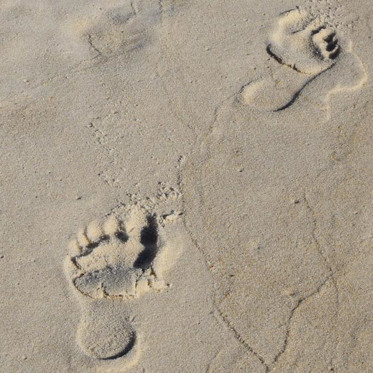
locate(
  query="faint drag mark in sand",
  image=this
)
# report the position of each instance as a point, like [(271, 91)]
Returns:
[(303, 48), (110, 262)]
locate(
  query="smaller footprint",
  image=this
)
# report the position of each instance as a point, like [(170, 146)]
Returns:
[(302, 48), (111, 261)]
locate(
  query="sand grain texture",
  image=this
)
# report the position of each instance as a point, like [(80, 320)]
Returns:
[(186, 186)]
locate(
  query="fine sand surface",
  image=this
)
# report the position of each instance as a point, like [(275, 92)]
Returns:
[(186, 186)]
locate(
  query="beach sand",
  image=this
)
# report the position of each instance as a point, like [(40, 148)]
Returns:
[(186, 186)]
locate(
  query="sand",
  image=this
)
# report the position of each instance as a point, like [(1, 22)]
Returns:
[(186, 186)]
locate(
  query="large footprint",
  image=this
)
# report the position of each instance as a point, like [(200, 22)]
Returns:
[(108, 262), (302, 48)]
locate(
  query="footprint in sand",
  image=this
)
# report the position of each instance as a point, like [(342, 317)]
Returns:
[(105, 28), (302, 48), (109, 262)]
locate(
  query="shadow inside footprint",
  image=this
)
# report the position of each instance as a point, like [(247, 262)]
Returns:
[(149, 239)]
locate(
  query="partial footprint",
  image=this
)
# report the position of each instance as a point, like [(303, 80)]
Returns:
[(119, 29), (110, 262), (303, 48), (108, 28)]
